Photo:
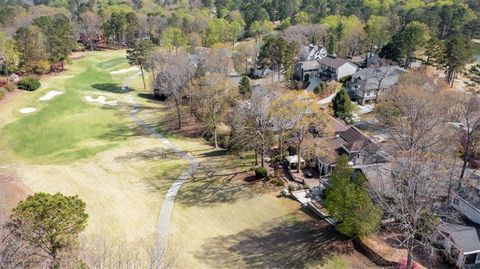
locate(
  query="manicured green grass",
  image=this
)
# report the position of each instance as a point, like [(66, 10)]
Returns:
[(67, 128), (93, 151)]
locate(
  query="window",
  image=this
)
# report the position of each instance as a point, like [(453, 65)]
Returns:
[(470, 258)]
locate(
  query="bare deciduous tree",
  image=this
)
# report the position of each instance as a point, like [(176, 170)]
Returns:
[(414, 188), (354, 42), (467, 112), (252, 123), (213, 95), (304, 115), (413, 191), (174, 73), (414, 114), (218, 60), (89, 26), (306, 34)]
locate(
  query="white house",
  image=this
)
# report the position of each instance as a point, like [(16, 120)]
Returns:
[(333, 67), (312, 53)]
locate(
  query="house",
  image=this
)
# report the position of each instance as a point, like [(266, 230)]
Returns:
[(358, 60), (333, 67), (307, 69), (461, 243), (308, 64), (367, 84), (467, 201), (348, 140), (312, 53)]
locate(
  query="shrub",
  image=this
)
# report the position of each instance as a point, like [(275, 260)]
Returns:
[(42, 67), (306, 78), (320, 89), (345, 79), (1, 94), (29, 84), (277, 182), (10, 87), (291, 187), (3, 83), (261, 172)]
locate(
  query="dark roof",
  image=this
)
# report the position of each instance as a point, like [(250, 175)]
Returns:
[(466, 238), (355, 140), (334, 62)]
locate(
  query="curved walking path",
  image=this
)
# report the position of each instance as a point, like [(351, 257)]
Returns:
[(167, 207)]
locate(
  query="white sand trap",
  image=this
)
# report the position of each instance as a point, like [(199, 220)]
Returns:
[(101, 100), (50, 95), (27, 110), (124, 71)]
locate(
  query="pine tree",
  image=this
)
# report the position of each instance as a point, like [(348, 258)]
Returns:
[(50, 224), (350, 204), (474, 75), (342, 106), (138, 55), (244, 88)]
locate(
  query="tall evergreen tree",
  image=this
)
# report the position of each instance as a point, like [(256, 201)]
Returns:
[(350, 204), (59, 37), (139, 54), (457, 53), (342, 106), (50, 224), (244, 88), (31, 45)]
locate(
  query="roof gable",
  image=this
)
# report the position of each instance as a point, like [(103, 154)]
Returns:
[(335, 62)]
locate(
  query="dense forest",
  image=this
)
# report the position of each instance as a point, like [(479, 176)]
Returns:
[(38, 36)]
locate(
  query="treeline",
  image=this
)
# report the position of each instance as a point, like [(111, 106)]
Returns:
[(395, 29)]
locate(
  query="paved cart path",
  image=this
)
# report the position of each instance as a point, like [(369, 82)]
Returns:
[(167, 207)]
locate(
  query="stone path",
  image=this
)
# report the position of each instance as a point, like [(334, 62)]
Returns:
[(167, 207)]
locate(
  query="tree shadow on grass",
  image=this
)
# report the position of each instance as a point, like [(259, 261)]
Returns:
[(149, 96), (110, 87), (220, 179), (282, 244), (153, 154)]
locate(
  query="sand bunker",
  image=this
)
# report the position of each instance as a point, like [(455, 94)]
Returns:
[(50, 95), (101, 100), (27, 110), (124, 71)]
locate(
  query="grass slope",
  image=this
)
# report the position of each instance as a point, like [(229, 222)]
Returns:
[(67, 128), (77, 148), (223, 220)]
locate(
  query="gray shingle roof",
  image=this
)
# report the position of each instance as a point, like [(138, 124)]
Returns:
[(355, 140), (466, 238), (334, 62), (310, 65)]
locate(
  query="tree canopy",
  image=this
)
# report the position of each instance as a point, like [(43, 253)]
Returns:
[(50, 224), (349, 203), (342, 106)]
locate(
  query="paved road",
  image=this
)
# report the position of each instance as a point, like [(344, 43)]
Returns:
[(167, 207)]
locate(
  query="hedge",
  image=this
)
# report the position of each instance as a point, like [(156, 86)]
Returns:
[(29, 84)]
